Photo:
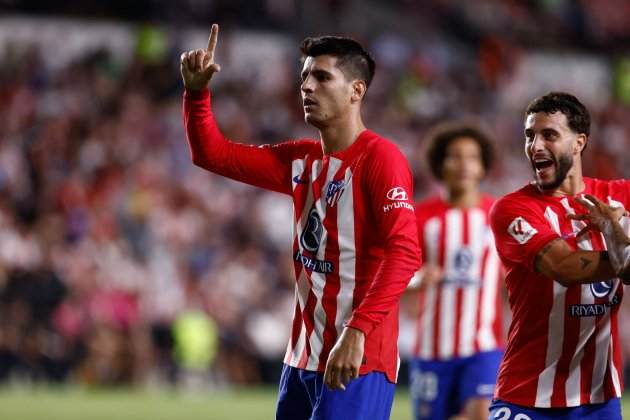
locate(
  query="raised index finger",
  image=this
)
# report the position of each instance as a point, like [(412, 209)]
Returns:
[(212, 40)]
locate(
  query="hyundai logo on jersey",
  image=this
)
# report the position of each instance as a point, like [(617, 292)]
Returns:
[(397, 194)]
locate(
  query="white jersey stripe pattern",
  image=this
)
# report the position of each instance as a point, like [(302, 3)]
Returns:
[(458, 315), (347, 254), (318, 280)]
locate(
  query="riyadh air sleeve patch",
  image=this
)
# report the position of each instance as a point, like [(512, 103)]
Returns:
[(521, 230)]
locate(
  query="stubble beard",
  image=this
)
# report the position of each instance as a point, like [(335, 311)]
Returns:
[(564, 165)]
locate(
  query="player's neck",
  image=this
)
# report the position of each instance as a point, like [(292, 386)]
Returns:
[(340, 136), (464, 199)]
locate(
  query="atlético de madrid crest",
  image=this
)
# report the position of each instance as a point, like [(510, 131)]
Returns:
[(334, 191)]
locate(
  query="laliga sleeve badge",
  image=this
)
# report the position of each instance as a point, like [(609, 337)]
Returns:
[(521, 230)]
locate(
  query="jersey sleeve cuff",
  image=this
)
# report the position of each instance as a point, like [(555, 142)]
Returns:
[(195, 95), (360, 323)]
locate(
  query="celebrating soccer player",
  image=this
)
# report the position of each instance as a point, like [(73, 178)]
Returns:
[(355, 245), (562, 358), (458, 334)]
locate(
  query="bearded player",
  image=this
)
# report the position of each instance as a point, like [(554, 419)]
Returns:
[(355, 245), (458, 335), (562, 358)]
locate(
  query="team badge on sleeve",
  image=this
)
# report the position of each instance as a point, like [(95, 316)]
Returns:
[(521, 230)]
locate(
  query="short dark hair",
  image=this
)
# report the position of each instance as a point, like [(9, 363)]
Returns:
[(577, 115), (440, 137), (354, 61)]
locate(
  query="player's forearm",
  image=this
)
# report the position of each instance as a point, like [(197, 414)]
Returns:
[(401, 262), (204, 137), (618, 245), (583, 267)]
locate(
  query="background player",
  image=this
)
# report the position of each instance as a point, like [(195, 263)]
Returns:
[(458, 341), (355, 243), (563, 345)]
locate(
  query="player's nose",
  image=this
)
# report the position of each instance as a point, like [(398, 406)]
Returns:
[(307, 85)]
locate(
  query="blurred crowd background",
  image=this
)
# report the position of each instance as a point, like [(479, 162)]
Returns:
[(122, 263)]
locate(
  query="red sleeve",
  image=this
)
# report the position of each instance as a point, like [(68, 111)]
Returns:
[(519, 232), (388, 187), (267, 166)]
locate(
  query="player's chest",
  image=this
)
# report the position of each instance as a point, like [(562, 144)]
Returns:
[(556, 215)]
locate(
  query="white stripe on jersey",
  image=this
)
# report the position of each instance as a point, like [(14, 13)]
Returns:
[(431, 238), (297, 170), (301, 287), (487, 340), (452, 243), (347, 253), (587, 324), (602, 347), (318, 280), (295, 354), (554, 340), (613, 369), (476, 243), (625, 224)]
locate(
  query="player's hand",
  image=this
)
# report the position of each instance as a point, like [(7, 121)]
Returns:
[(431, 274), (599, 213), (345, 359), (198, 66)]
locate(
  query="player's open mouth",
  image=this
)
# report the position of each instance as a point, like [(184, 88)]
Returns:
[(543, 163)]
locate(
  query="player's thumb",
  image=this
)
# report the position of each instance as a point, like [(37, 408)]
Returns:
[(213, 68)]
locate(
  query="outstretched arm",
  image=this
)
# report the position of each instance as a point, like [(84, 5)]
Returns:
[(267, 166)]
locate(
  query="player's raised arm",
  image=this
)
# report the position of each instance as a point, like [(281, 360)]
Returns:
[(264, 166), (198, 66)]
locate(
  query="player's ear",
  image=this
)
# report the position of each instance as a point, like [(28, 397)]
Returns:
[(580, 144), (358, 90)]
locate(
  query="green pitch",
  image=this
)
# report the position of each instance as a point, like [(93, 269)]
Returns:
[(76, 404)]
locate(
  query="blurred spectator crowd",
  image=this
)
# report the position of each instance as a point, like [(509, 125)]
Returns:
[(120, 262)]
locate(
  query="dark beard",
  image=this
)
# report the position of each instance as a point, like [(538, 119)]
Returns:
[(564, 165)]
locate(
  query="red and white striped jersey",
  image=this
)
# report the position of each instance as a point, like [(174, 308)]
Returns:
[(355, 243), (461, 314), (563, 347)]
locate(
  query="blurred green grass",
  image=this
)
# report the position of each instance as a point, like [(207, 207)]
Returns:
[(23, 403)]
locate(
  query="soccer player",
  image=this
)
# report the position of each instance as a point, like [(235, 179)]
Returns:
[(562, 358), (355, 242), (458, 336)]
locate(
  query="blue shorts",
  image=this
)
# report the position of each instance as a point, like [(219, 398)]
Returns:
[(609, 410), (303, 396), (440, 388)]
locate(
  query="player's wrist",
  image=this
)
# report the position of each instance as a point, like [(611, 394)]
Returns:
[(354, 333)]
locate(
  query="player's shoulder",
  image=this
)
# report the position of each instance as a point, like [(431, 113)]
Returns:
[(299, 148), (606, 186), (487, 201), (514, 201), (379, 146)]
